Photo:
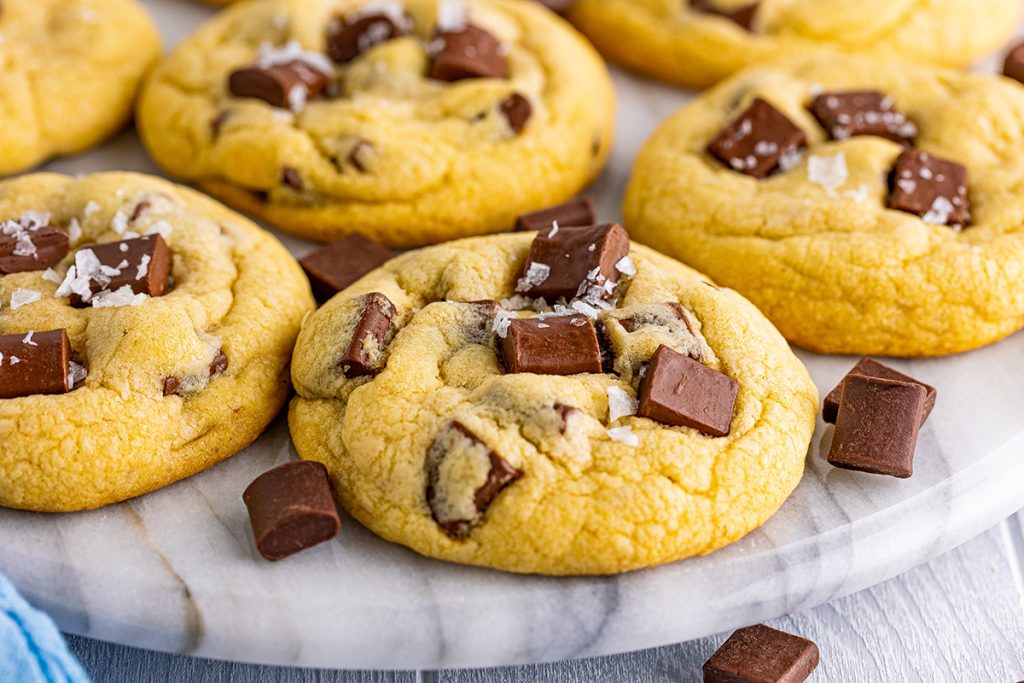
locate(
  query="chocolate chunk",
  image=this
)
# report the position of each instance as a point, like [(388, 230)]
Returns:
[(373, 332), (552, 346), (558, 6), (140, 209), (34, 248), (566, 413), (577, 213), (870, 367), (284, 85), (877, 425), (1013, 66), (517, 111), (607, 351), (349, 37), (357, 156), (867, 112), (218, 122), (761, 654), (668, 322), (681, 392), (337, 265), (759, 141), (291, 178), (142, 264), (464, 476), (741, 16), (581, 260), (931, 187), (173, 385), (219, 364), (35, 363), (291, 509), (651, 317), (470, 52)]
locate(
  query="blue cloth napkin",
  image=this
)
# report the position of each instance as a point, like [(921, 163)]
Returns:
[(31, 648)]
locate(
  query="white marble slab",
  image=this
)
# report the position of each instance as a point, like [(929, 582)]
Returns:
[(177, 571)]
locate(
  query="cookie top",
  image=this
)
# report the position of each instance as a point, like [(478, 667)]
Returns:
[(461, 415), (71, 69), (411, 122), (888, 226), (145, 332), (695, 43)]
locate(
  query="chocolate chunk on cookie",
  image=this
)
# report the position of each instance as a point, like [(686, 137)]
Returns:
[(1013, 65), (374, 329), (464, 476), (877, 425), (743, 16), (517, 111), (29, 243), (356, 32), (759, 141), (930, 187), (866, 112), (291, 508), (141, 264), (468, 52), (570, 261), (764, 655), (35, 363), (175, 385), (577, 213), (337, 265), (552, 346), (288, 85), (872, 368), (679, 391), (558, 6)]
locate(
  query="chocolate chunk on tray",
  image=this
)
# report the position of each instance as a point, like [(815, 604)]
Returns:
[(681, 392), (374, 329), (759, 141), (571, 262), (862, 112), (334, 267), (30, 244), (761, 654), (35, 363), (577, 213), (565, 345), (872, 368), (468, 52), (931, 187), (356, 32), (141, 264)]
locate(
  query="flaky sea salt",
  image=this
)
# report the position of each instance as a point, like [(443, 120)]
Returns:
[(87, 267), (940, 212), (28, 339), (626, 266), (120, 222), (620, 404), (535, 276), (624, 435), (90, 208), (50, 275), (162, 228), (502, 320), (828, 171), (143, 267), (74, 231), (452, 16), (22, 297), (76, 374), (120, 297), (554, 229)]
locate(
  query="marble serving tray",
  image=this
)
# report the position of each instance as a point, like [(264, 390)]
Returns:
[(177, 570)]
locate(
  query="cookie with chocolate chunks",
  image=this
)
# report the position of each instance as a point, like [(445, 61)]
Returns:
[(468, 52), (759, 141), (334, 267), (35, 363), (930, 187), (577, 213), (679, 391), (355, 33), (364, 354), (552, 346), (142, 264), (283, 85), (562, 263), (872, 368), (864, 112), (26, 245), (762, 654)]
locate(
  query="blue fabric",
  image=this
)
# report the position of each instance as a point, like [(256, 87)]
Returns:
[(31, 648)]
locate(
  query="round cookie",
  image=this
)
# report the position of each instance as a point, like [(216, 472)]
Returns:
[(433, 443), (372, 122), (161, 386), (71, 69), (695, 43), (862, 246)]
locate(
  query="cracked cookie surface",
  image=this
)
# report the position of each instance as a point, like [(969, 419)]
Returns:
[(167, 385), (689, 43), (442, 450), (71, 69), (384, 149)]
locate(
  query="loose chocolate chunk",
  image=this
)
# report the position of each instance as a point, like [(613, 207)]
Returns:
[(931, 187), (869, 112), (877, 425), (759, 141), (577, 213), (552, 346), (337, 265), (284, 85), (872, 368), (35, 363), (517, 111), (464, 476), (470, 52), (291, 509), (24, 249), (373, 332), (679, 391), (142, 263), (742, 16), (1013, 66), (580, 260), (760, 654), (349, 37), (291, 178)]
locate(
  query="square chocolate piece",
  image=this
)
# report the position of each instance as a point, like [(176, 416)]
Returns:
[(577, 213), (143, 264), (552, 346), (337, 265), (571, 262), (758, 141), (287, 85), (741, 16), (35, 363), (761, 654), (352, 35), (868, 112), (931, 187), (1013, 66), (470, 52), (681, 392), (30, 247), (872, 368), (374, 330), (877, 426)]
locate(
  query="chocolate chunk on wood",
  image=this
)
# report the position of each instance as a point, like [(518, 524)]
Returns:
[(374, 329), (577, 213), (552, 346), (143, 264), (291, 509), (27, 244), (288, 85), (337, 265), (470, 52), (574, 262), (464, 476), (1013, 66), (352, 35), (35, 363), (517, 111), (743, 16), (864, 112), (759, 141), (877, 425), (870, 367), (760, 654), (681, 392), (931, 187)]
